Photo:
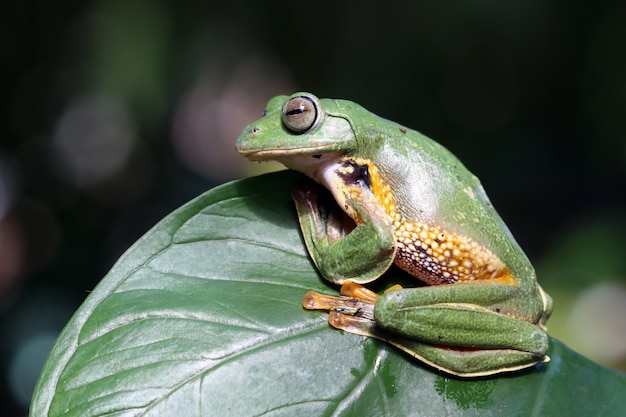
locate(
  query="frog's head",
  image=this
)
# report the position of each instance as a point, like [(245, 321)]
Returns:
[(297, 132)]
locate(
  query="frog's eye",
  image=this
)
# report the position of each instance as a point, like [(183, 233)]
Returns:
[(300, 114)]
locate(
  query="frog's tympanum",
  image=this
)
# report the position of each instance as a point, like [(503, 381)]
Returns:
[(399, 197)]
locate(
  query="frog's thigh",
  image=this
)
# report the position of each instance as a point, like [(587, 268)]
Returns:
[(426, 315)]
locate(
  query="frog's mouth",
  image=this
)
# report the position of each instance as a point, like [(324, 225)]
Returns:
[(309, 161), (281, 153)]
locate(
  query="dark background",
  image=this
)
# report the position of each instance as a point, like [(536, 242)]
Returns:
[(113, 113)]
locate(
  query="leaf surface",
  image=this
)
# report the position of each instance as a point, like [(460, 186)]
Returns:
[(203, 317)]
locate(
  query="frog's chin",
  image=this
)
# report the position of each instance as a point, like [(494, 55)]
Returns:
[(312, 163)]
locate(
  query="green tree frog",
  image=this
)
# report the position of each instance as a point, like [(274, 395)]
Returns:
[(400, 197)]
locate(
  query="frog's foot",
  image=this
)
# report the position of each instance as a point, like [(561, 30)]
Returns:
[(353, 290), (352, 312), (347, 313), (347, 305), (354, 297)]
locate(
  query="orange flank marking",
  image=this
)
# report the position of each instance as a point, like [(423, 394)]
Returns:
[(431, 253), (380, 189)]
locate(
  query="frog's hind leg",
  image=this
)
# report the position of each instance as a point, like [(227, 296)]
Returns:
[(353, 312)]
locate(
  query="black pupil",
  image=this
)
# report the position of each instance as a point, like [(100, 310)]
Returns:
[(299, 110)]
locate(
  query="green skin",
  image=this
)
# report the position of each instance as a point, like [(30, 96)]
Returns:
[(467, 328)]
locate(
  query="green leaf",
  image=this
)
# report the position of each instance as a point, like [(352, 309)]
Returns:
[(203, 316)]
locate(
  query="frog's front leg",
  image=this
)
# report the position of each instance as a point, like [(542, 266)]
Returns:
[(354, 242)]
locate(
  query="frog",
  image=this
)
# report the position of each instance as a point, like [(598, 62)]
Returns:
[(382, 197)]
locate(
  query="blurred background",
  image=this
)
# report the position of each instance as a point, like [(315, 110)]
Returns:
[(114, 113)]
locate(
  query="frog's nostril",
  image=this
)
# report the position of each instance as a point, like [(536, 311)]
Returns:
[(254, 131)]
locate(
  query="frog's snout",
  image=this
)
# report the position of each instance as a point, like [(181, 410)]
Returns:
[(244, 141)]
